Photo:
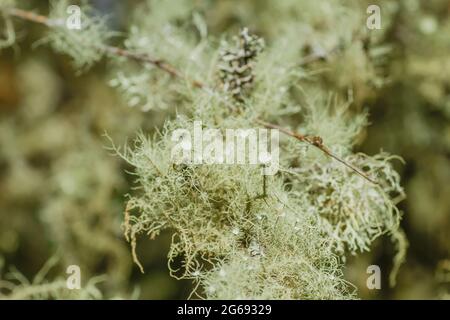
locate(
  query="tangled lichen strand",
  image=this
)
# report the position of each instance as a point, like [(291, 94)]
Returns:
[(219, 218), (203, 204), (288, 259), (289, 242)]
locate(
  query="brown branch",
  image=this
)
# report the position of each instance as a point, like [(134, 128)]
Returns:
[(34, 17), (318, 143), (112, 50), (145, 58)]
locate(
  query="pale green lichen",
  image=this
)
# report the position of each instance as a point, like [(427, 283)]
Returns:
[(220, 219), (7, 3), (85, 45), (223, 221), (353, 211), (15, 286), (145, 85)]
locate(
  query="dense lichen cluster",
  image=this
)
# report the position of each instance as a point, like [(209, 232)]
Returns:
[(222, 216)]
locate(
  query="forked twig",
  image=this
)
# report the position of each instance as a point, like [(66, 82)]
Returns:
[(317, 142)]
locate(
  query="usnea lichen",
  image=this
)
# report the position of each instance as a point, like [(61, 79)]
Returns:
[(85, 45), (223, 220)]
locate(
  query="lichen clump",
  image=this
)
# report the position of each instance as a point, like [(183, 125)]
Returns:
[(239, 236)]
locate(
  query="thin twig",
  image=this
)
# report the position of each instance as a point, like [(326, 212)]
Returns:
[(112, 50), (318, 143), (34, 17)]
